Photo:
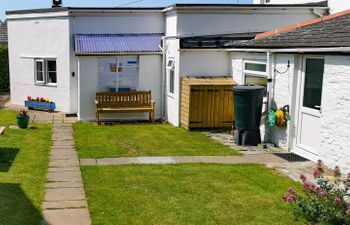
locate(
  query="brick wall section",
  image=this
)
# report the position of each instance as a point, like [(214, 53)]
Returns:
[(335, 123)]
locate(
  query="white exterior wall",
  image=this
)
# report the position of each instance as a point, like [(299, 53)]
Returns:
[(281, 92), (334, 5), (36, 38), (150, 72), (335, 123), (238, 21)]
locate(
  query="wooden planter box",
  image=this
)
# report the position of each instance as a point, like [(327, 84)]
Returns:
[(207, 102), (50, 106)]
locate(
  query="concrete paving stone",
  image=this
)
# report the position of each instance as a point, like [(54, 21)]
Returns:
[(74, 176), (65, 184), (156, 160), (63, 169), (63, 152), (67, 217), (117, 161), (65, 204), (2, 130), (63, 157), (88, 162), (64, 194), (64, 163)]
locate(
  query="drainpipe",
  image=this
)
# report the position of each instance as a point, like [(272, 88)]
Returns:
[(269, 70), (163, 78)]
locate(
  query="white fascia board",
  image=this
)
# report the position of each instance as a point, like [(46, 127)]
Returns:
[(37, 15), (293, 50)]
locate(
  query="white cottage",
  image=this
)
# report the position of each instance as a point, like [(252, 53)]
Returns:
[(69, 54), (305, 66)]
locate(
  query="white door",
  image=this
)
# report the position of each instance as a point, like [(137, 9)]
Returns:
[(310, 108)]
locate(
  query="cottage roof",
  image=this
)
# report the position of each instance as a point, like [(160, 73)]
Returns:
[(325, 32), (117, 43)]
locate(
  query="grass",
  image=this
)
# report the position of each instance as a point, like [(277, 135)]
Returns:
[(202, 194), (93, 141), (23, 167)]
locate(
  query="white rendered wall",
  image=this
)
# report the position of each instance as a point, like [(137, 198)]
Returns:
[(36, 38), (338, 5), (239, 21), (335, 123), (119, 23), (149, 79), (281, 92), (286, 1)]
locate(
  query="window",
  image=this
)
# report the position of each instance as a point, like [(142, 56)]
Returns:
[(171, 81), (45, 71), (171, 76), (255, 73)]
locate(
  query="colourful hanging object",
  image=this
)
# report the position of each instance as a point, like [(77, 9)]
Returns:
[(271, 118)]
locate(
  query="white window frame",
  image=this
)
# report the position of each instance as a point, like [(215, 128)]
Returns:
[(257, 74), (170, 69), (36, 71), (45, 72)]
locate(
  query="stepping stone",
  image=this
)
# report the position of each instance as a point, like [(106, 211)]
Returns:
[(67, 217), (64, 176), (63, 169), (156, 160), (14, 127), (65, 204), (64, 194), (88, 162), (55, 185), (116, 161), (63, 157), (64, 163)]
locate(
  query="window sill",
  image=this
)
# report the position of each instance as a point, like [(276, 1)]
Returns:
[(45, 85)]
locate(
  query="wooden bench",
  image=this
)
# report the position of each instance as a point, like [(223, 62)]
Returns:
[(124, 102)]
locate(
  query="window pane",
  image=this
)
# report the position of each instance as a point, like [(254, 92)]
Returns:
[(313, 83), (51, 66), (39, 76), (255, 80), (39, 71), (39, 66), (255, 67), (171, 81), (52, 77)]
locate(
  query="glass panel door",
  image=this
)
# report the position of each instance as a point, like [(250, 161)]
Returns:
[(313, 83)]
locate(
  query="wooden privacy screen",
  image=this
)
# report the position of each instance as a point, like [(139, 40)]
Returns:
[(207, 102)]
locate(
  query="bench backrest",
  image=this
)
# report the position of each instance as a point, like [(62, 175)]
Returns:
[(123, 99)]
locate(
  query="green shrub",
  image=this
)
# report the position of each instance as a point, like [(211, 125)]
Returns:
[(4, 69)]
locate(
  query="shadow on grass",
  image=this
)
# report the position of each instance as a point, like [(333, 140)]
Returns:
[(16, 208), (7, 157)]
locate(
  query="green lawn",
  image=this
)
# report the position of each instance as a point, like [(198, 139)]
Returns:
[(93, 141), (23, 167), (200, 194)]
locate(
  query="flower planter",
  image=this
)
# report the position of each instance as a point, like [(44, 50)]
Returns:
[(50, 106), (23, 122)]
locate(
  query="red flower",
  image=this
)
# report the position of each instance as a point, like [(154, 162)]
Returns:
[(337, 201), (41, 99), (303, 178), (29, 98)]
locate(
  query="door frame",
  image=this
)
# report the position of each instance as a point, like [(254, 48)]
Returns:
[(300, 149)]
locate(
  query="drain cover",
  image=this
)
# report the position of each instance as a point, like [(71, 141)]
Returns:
[(290, 157)]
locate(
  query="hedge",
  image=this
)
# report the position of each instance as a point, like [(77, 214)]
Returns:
[(4, 69)]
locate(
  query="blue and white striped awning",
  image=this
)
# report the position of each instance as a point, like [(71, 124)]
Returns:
[(86, 44)]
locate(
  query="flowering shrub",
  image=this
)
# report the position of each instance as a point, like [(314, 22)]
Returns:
[(326, 202), (38, 99), (23, 113)]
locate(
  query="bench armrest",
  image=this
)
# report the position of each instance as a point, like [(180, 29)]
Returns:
[(96, 102), (153, 103)]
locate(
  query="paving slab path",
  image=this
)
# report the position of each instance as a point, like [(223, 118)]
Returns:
[(65, 202)]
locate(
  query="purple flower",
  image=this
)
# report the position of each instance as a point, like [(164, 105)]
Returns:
[(303, 178), (337, 201), (317, 174)]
